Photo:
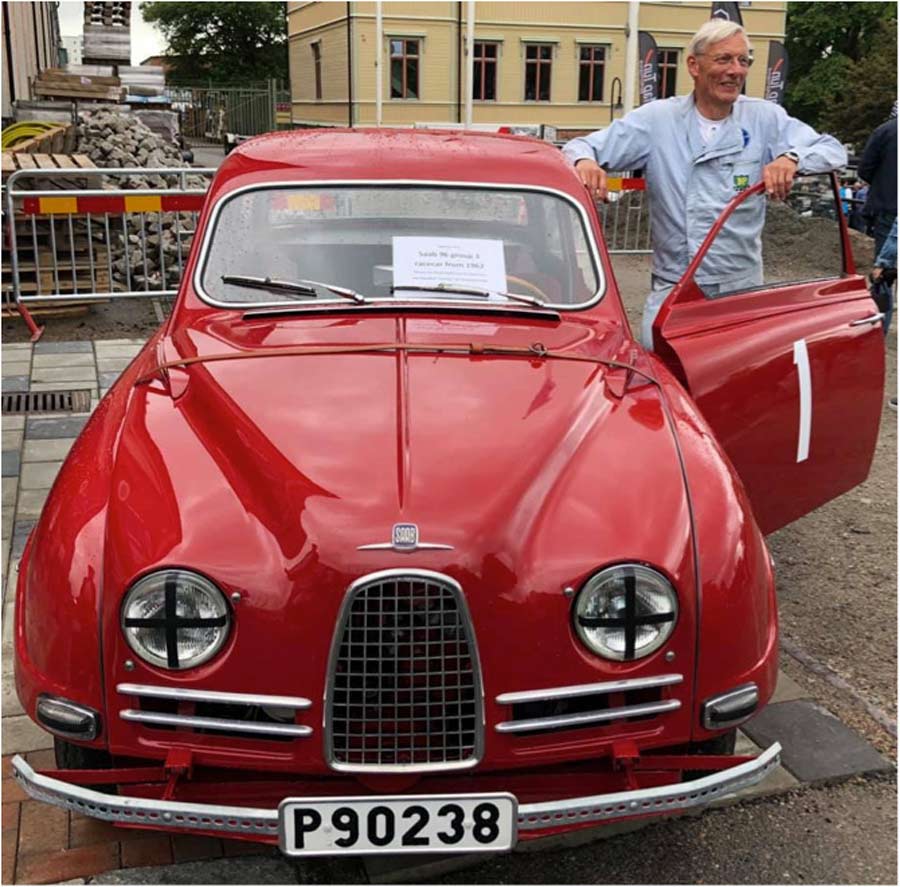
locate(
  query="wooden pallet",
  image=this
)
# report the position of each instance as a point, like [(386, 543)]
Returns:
[(67, 165), (58, 140), (47, 283), (56, 309)]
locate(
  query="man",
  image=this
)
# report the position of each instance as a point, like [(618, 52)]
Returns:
[(698, 151), (878, 167)]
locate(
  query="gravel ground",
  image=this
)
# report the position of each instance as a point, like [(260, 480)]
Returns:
[(810, 836)]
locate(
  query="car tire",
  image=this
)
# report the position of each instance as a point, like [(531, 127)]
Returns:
[(720, 745), (78, 757)]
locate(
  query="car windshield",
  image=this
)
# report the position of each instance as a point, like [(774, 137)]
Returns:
[(380, 242)]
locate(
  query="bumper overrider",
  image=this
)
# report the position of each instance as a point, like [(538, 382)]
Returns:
[(264, 822)]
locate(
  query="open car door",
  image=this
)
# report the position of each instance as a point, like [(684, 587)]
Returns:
[(789, 375)]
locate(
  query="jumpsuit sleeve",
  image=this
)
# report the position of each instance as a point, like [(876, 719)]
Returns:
[(817, 153), (624, 144)]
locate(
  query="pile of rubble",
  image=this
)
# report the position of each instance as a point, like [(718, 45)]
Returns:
[(114, 139), (148, 256)]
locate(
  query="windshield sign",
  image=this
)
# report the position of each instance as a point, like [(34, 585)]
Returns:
[(270, 246)]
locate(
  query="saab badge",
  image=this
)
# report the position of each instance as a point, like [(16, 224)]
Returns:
[(405, 537)]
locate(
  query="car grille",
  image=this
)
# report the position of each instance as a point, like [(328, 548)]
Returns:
[(405, 688)]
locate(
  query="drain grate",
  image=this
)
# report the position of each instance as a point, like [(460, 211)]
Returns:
[(48, 401)]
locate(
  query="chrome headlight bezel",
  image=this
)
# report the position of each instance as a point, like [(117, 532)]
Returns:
[(179, 582), (593, 602)]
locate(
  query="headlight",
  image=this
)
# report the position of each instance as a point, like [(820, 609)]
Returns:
[(625, 612), (175, 619)]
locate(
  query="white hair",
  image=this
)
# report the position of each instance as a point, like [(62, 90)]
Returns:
[(714, 31)]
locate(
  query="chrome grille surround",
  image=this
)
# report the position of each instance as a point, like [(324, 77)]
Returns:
[(404, 643)]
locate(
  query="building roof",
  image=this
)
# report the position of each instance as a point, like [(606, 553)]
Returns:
[(442, 155)]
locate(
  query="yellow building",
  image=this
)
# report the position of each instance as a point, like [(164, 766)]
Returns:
[(556, 63)]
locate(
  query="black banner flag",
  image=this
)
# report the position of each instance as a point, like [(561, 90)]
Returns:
[(730, 12), (648, 67), (776, 72)]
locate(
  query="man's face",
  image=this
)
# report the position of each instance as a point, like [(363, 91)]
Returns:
[(719, 73)]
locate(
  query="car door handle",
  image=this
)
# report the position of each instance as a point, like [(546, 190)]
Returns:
[(874, 318)]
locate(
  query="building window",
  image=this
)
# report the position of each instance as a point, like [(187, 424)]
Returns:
[(317, 64), (404, 69), (591, 64), (668, 67), (484, 79), (538, 62)]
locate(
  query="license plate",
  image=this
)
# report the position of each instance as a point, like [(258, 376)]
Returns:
[(397, 824)]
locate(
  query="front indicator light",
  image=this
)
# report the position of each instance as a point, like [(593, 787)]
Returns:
[(625, 612), (175, 619), (66, 718), (729, 709)]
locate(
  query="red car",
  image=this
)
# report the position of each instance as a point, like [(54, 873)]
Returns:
[(394, 539)]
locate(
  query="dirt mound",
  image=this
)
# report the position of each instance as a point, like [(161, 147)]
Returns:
[(798, 247)]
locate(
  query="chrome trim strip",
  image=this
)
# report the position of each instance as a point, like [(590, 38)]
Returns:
[(210, 226), (144, 811), (420, 546), (255, 821), (589, 717), (663, 680), (156, 718), (386, 575), (182, 693), (662, 799)]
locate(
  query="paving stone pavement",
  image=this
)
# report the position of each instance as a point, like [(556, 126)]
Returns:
[(43, 844)]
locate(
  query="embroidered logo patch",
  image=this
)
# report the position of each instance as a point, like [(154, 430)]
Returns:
[(741, 183)]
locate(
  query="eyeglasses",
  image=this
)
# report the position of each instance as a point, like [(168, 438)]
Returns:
[(725, 61)]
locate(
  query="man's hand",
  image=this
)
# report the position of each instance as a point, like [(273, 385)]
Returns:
[(779, 176), (593, 176)]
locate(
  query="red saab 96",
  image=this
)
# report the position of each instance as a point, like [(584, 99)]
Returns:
[(394, 538)]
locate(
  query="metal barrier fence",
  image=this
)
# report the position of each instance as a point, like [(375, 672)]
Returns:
[(208, 113), (625, 216), (102, 242), (113, 242)]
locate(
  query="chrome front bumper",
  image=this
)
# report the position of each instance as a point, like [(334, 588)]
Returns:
[(264, 822)]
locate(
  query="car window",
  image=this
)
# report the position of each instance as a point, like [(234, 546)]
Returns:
[(800, 241), (370, 239)]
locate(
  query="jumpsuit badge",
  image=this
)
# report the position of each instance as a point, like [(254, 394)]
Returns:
[(741, 183)]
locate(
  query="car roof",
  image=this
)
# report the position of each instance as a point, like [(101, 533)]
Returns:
[(428, 155)]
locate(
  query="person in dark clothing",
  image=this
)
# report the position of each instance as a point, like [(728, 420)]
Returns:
[(879, 168)]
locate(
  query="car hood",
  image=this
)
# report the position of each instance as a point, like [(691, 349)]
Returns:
[(287, 464)]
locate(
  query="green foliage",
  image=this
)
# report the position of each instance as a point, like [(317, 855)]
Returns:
[(842, 75), (856, 111), (227, 43)]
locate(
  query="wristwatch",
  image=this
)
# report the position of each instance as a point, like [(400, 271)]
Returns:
[(792, 155)]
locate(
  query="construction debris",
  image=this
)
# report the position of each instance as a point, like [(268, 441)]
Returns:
[(152, 244), (117, 139)]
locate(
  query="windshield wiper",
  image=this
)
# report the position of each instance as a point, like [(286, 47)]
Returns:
[(300, 288), (467, 291)]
